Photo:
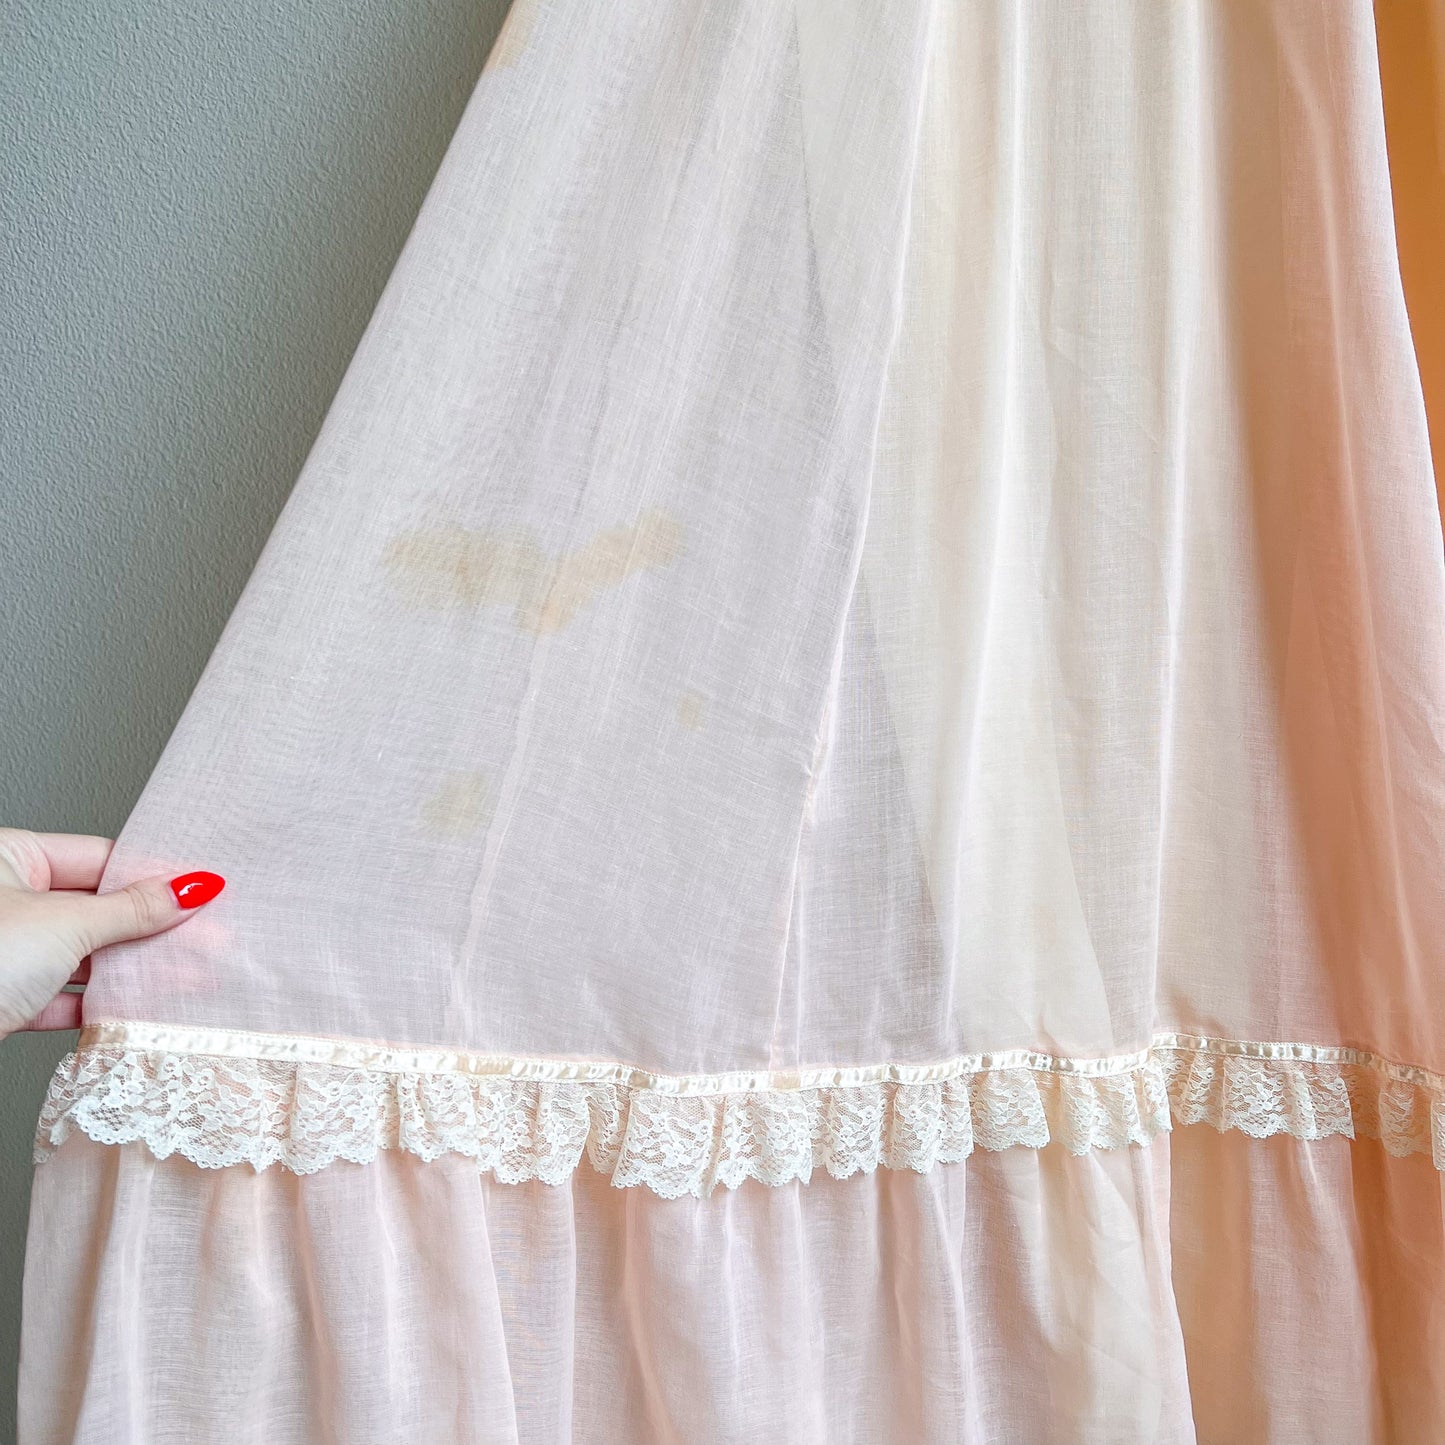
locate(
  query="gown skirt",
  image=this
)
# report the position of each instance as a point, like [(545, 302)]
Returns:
[(832, 781)]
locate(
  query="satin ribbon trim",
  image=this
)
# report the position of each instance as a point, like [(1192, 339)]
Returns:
[(147, 1037)]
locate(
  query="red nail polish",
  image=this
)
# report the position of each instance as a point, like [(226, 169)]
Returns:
[(194, 889)]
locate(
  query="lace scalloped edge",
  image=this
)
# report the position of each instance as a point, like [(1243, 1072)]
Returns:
[(685, 1135)]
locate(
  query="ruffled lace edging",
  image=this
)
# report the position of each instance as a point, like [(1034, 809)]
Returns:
[(685, 1135)]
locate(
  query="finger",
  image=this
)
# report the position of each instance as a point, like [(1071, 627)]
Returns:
[(144, 908), (76, 859), (62, 1012)]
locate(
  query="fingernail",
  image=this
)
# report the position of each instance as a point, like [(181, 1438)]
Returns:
[(194, 889)]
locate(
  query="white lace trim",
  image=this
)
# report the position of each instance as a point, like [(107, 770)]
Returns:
[(304, 1103)]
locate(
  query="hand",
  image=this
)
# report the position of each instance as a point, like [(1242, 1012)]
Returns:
[(51, 920)]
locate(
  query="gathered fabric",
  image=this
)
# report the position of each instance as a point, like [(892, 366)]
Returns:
[(862, 651)]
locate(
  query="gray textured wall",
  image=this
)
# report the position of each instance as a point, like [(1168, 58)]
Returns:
[(199, 208)]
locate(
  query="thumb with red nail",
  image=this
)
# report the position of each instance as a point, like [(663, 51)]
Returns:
[(51, 920)]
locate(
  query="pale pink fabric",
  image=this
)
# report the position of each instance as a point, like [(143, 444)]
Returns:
[(871, 605), (1210, 1288)]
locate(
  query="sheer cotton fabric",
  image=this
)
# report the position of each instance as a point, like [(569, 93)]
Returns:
[(869, 605), (1209, 1288)]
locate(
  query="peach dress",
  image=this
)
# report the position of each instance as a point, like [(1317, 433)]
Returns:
[(832, 782)]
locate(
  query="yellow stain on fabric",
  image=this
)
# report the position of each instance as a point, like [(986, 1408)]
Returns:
[(512, 40), (460, 805), (692, 710), (446, 567)]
